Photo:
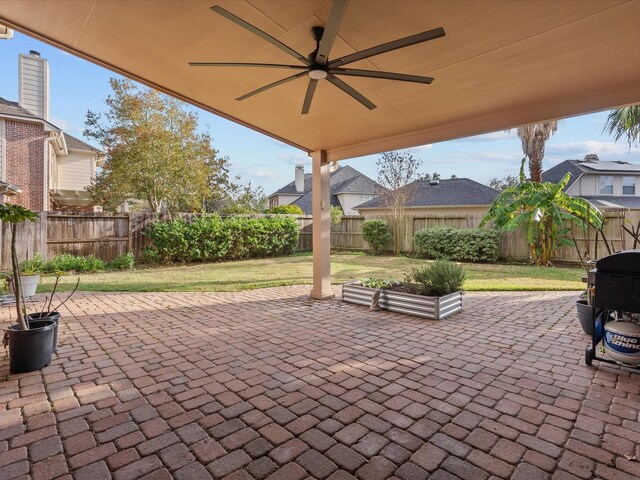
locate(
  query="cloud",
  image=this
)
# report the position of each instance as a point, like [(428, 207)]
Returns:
[(580, 149), (293, 158), (66, 126)]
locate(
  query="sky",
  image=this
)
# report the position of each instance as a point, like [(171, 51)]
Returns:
[(77, 86)]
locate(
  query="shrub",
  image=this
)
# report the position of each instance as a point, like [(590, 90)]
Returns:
[(376, 233), (285, 210), (34, 265), (459, 244), (66, 262), (441, 277), (124, 261), (336, 213), (151, 256), (212, 238)]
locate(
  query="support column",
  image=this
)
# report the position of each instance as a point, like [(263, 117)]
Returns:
[(320, 197)]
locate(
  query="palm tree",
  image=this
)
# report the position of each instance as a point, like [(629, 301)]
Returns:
[(533, 138), (625, 122)]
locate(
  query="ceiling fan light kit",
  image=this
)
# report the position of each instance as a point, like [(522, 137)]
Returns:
[(317, 65)]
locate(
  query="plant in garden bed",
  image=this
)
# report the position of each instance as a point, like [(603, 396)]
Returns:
[(432, 292)]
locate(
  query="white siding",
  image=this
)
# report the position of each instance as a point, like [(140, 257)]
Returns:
[(350, 200), (3, 150), (34, 85), (75, 171), (586, 185), (280, 200)]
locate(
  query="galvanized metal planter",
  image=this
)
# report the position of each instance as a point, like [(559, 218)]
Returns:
[(435, 308)]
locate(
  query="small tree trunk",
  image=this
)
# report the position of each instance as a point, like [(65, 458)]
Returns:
[(17, 286), (535, 169)]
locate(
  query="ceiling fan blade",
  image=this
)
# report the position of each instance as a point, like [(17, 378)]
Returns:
[(350, 91), (271, 85), (331, 30), (311, 89), (265, 36), (387, 47), (386, 75), (264, 65)]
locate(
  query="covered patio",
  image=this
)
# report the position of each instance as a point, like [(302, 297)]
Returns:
[(268, 384), (271, 384)]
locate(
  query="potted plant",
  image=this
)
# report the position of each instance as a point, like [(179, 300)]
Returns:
[(29, 274), (433, 292), (30, 343), (47, 313)]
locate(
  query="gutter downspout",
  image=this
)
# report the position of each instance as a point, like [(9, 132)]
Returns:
[(45, 178)]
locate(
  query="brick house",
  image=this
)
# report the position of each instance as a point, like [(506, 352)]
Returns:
[(51, 167)]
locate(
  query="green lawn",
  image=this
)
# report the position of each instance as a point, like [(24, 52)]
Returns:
[(296, 270)]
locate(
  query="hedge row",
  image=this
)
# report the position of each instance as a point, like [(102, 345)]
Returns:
[(459, 244), (212, 238)]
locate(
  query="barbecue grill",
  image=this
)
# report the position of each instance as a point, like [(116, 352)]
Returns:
[(617, 289)]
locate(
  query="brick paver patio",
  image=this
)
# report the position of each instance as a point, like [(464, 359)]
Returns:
[(269, 384)]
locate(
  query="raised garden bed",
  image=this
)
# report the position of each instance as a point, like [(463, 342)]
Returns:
[(434, 308)]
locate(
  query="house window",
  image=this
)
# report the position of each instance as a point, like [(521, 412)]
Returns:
[(606, 185), (628, 185)]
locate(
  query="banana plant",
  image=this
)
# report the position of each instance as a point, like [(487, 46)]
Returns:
[(543, 210)]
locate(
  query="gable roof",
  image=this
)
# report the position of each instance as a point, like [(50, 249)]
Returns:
[(579, 167), (344, 179), (448, 192), (74, 143)]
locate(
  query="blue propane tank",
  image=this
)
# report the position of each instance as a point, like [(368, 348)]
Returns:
[(622, 342)]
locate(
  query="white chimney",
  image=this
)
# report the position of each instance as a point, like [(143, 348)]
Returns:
[(299, 178), (34, 84)]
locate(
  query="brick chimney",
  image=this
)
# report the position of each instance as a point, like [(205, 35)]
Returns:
[(34, 84)]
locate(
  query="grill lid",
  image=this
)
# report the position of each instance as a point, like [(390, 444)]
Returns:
[(627, 261)]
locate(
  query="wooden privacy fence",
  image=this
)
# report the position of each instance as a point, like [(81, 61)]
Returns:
[(107, 236)]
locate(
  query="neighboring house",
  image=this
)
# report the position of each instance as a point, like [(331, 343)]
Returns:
[(51, 167), (608, 185), (349, 188), (455, 196)]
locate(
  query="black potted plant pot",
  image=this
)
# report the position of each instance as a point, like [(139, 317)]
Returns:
[(585, 315), (31, 350), (54, 316)]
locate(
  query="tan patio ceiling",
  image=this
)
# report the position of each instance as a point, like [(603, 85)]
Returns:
[(501, 63)]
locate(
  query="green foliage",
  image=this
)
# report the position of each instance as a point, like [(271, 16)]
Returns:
[(13, 214), (151, 256), (211, 238), (336, 213), (33, 265), (441, 277), (66, 262), (459, 244), (378, 283), (285, 210), (124, 261), (154, 152), (542, 209), (376, 233), (624, 122)]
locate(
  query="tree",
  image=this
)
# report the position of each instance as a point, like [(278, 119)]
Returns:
[(503, 183), (242, 199), (336, 213), (154, 152), (542, 209), (533, 138), (397, 173), (625, 122), (427, 177)]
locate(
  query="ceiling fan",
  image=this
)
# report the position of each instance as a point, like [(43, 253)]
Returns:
[(317, 65)]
